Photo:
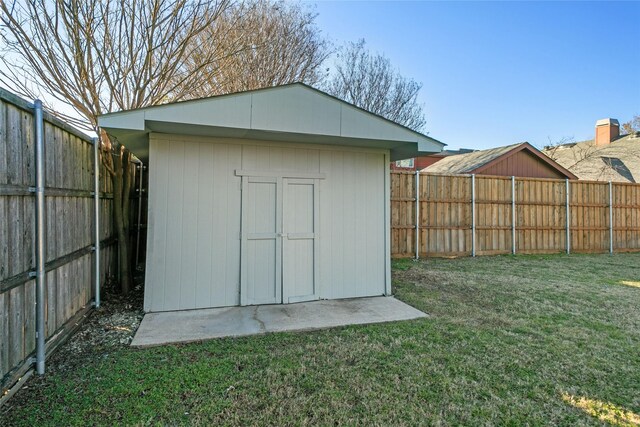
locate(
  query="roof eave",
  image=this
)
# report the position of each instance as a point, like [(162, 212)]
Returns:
[(251, 115), (136, 138)]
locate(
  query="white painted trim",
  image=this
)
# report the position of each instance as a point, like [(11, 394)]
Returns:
[(316, 238), (279, 238), (280, 174), (387, 223), (244, 300)]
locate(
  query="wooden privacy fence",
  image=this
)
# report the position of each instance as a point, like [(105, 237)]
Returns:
[(69, 232), (462, 215)]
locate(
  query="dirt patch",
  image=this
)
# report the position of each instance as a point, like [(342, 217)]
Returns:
[(107, 328)]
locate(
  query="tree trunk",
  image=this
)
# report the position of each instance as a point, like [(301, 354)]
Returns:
[(126, 218), (121, 188)]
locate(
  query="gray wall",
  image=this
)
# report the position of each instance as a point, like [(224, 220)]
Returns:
[(193, 246)]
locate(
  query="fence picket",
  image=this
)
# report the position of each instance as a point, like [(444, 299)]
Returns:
[(68, 166), (531, 210)]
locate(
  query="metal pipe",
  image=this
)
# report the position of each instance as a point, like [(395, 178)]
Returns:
[(568, 218), (40, 237), (96, 216), (513, 215), (417, 214), (473, 215), (139, 212), (610, 218)]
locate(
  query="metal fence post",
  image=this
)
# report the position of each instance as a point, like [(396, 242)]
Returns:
[(568, 217), (610, 218), (417, 214), (40, 237), (96, 216), (473, 215), (513, 215)]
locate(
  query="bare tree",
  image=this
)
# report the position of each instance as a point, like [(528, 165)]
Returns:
[(370, 82), (553, 146), (258, 44), (98, 56), (632, 126)]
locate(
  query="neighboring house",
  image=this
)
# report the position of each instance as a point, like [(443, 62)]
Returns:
[(419, 163), (269, 196), (521, 160), (607, 157)]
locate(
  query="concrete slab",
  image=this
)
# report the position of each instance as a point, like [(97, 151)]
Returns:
[(197, 325)]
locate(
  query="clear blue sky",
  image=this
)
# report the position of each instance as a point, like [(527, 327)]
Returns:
[(497, 73)]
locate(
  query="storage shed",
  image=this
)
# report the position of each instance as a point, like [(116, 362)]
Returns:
[(270, 196)]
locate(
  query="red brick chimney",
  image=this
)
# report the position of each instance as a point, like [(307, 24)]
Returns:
[(607, 130)]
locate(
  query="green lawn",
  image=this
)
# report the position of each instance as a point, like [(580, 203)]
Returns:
[(520, 340)]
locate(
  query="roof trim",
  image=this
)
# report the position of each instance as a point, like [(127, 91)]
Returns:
[(294, 111), (525, 146), (114, 114)]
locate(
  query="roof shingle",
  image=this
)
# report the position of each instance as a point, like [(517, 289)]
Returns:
[(618, 161)]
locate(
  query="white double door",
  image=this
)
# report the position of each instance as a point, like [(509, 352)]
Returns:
[(278, 240)]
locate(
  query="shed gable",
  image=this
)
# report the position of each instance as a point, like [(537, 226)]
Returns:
[(294, 113)]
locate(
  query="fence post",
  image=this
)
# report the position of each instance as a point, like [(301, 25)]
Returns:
[(568, 217), (610, 218), (96, 216), (513, 215), (40, 237), (417, 214), (473, 215)]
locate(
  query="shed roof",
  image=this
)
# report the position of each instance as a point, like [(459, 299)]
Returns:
[(294, 113), (477, 161)]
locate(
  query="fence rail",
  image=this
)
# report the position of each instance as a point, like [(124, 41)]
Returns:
[(466, 215), (68, 223)]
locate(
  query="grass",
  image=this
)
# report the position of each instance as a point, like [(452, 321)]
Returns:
[(526, 340)]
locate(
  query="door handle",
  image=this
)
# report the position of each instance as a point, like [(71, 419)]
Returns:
[(283, 234)]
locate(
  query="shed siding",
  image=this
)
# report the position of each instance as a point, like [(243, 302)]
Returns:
[(523, 164), (352, 224), (195, 210), (187, 213)]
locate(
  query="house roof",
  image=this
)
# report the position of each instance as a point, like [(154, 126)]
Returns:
[(446, 153), (290, 113), (468, 162), (477, 161), (618, 161)]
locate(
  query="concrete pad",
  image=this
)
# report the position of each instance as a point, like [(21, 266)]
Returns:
[(197, 325)]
